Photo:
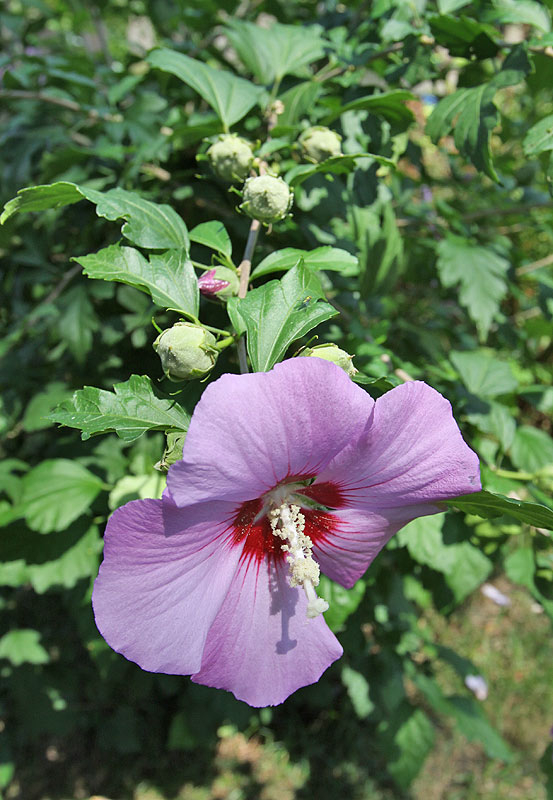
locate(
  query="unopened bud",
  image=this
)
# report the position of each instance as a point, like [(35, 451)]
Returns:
[(172, 452), (231, 157), (319, 143), (187, 351), (267, 198), (331, 352), (219, 282)]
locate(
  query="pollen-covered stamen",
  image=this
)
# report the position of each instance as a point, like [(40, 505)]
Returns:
[(288, 523)]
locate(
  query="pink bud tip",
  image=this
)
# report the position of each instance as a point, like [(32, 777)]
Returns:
[(209, 285)]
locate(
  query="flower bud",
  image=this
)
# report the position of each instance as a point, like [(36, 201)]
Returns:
[(319, 143), (331, 352), (187, 351), (267, 198), (172, 452), (231, 157), (219, 282)]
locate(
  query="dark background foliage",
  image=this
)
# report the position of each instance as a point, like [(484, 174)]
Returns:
[(440, 214)]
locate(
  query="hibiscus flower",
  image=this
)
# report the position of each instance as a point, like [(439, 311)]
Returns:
[(283, 474)]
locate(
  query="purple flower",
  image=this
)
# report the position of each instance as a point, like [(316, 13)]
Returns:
[(283, 473)]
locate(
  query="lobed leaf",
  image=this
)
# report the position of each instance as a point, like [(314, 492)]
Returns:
[(271, 53), (280, 312), (471, 113), (130, 410), (23, 646), (480, 273), (169, 277), (229, 96), (149, 225)]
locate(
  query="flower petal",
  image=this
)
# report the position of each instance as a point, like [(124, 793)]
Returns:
[(261, 646), (163, 580), (352, 540), (411, 453), (249, 432)]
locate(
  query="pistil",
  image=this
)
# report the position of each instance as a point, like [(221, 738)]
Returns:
[(288, 523)]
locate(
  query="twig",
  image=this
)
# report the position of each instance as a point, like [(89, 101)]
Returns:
[(244, 270), (71, 105), (519, 209), (541, 262)]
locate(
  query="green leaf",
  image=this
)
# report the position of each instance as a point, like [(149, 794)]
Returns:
[(532, 449), (169, 277), (326, 258), (271, 53), (480, 272), (526, 12), (464, 566), (130, 410), (415, 740), (489, 505), (36, 413), (136, 487), (281, 311), (48, 561), (298, 101), (57, 492), (358, 692), (77, 322), (468, 715), (447, 6), (471, 113), (341, 602), (539, 138), (498, 421), (483, 373), (463, 36), (390, 105), (23, 647), (520, 567), (213, 235), (336, 165), (147, 224), (229, 96)]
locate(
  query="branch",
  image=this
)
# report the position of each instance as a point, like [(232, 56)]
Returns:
[(71, 105)]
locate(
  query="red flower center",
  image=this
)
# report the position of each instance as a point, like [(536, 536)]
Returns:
[(254, 532)]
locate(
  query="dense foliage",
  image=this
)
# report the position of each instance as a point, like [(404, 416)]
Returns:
[(422, 248)]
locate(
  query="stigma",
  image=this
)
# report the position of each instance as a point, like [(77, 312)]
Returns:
[(288, 523)]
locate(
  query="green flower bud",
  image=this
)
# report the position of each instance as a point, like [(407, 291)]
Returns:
[(267, 198), (231, 157), (319, 143), (187, 351), (172, 452), (331, 352)]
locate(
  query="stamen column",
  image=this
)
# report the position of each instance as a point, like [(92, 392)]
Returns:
[(288, 523)]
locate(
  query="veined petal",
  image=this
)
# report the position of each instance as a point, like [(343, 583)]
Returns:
[(347, 541), (261, 646), (163, 580), (250, 432), (411, 453)]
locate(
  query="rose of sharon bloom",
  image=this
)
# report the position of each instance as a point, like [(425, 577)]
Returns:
[(283, 473)]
